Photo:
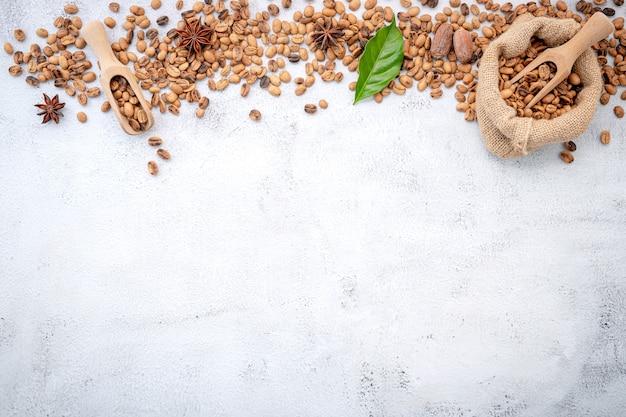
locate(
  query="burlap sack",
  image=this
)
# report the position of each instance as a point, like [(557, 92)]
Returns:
[(504, 133)]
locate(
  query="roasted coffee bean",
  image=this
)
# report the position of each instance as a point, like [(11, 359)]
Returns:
[(274, 90), (137, 10), (173, 109), (93, 92), (70, 9), (15, 70), (273, 9), (163, 154), (567, 157), (605, 137), (110, 22), (33, 81), (155, 141), (163, 20), (19, 35), (152, 33), (310, 108), (188, 14), (245, 90), (153, 168), (604, 98), (255, 115), (570, 146)]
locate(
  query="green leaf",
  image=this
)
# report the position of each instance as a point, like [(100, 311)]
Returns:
[(381, 61)]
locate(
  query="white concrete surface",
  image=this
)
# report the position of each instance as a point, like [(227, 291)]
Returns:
[(368, 260)]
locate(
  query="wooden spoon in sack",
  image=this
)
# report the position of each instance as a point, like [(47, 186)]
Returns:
[(96, 37), (595, 29)]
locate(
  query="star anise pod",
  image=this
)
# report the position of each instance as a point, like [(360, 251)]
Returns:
[(195, 36), (51, 109), (326, 34)]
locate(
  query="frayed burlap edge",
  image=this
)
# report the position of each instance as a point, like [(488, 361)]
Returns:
[(504, 133)]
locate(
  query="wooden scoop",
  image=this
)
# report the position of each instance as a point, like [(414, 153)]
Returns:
[(595, 29), (110, 67)]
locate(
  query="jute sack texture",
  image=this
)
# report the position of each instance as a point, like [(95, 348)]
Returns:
[(504, 133)]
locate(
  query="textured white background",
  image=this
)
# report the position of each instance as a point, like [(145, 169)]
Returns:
[(369, 260)]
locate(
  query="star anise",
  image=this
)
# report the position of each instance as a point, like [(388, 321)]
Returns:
[(326, 34), (195, 36), (51, 109)]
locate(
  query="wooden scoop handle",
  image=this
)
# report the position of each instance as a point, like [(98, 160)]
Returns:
[(595, 29), (96, 37)]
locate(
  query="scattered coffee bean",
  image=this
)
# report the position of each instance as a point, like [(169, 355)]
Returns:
[(567, 157), (163, 154), (310, 108), (570, 146), (114, 7), (604, 98), (15, 70), (323, 104), (162, 20), (70, 8), (33, 81), (19, 35), (605, 137), (110, 22), (155, 141), (153, 168), (255, 115), (81, 116), (273, 9), (137, 10), (619, 111)]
